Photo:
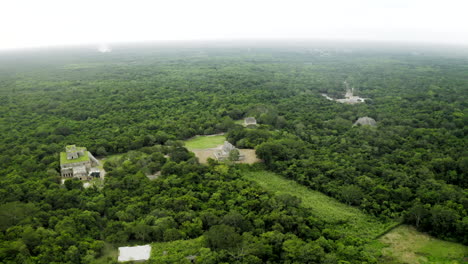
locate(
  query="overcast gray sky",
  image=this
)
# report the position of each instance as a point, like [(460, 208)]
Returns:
[(43, 23)]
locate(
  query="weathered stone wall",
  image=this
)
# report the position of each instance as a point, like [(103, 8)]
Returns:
[(87, 164), (94, 161), (66, 172)]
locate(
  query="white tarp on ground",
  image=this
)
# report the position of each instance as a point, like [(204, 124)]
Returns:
[(134, 253)]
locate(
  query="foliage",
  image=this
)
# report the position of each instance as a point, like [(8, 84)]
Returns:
[(346, 219), (143, 101), (234, 155)]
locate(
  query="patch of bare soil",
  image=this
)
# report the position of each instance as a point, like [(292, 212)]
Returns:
[(250, 156), (204, 154)]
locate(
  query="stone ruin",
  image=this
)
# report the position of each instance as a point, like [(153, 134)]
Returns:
[(223, 153), (77, 162), (365, 121), (350, 98), (250, 121)]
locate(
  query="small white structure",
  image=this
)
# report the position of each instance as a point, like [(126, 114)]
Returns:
[(250, 121), (365, 121), (137, 253), (350, 98)]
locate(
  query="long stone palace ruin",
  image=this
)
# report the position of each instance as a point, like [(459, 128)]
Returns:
[(77, 162)]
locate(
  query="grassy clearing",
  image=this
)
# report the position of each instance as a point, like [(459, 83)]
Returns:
[(355, 222), (250, 157), (405, 244), (204, 154), (64, 160), (177, 251), (204, 142)]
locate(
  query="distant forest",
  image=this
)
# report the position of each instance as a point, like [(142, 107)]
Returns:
[(143, 101)]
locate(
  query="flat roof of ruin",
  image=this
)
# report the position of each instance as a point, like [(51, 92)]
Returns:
[(64, 160)]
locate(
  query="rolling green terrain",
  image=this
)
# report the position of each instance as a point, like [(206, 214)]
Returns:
[(204, 142), (143, 106)]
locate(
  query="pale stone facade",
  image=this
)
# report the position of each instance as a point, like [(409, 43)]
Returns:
[(77, 162), (365, 121), (250, 121), (223, 153)]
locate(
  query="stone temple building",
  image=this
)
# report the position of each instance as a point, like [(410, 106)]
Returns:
[(250, 121), (79, 163), (365, 121), (223, 153)]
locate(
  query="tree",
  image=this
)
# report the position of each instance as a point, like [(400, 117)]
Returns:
[(416, 213), (443, 220), (101, 151), (74, 183), (351, 194), (222, 237), (234, 155)]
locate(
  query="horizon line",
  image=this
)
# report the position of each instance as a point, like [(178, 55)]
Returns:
[(287, 41)]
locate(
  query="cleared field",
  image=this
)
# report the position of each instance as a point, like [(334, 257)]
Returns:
[(354, 222), (405, 244), (204, 154), (250, 156), (204, 147), (177, 251), (204, 142)]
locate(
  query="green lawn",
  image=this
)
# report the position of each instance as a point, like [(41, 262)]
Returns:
[(64, 160), (204, 142), (405, 244), (355, 222)]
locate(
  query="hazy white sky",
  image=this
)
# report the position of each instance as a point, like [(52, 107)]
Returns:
[(39, 23)]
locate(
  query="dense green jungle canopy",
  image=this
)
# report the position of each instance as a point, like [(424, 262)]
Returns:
[(412, 167)]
